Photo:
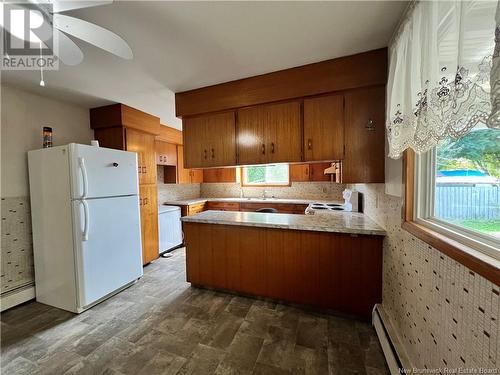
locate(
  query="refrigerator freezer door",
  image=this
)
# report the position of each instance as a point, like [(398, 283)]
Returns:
[(107, 245), (102, 172)]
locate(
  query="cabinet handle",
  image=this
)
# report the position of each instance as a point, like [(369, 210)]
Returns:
[(263, 149), (370, 125), (307, 172), (144, 169), (309, 144), (272, 147), (145, 200), (140, 201), (139, 169), (213, 154), (205, 152)]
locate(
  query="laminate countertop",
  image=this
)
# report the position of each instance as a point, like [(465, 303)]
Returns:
[(336, 222), (188, 202)]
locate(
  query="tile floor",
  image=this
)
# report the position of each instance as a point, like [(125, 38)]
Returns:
[(161, 325)]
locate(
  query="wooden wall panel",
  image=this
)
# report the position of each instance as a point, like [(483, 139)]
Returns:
[(363, 69), (170, 135), (333, 271)]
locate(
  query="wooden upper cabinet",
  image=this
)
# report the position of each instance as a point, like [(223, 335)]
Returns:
[(121, 115), (185, 175), (269, 133), (210, 140), (144, 145), (166, 153), (219, 175), (324, 128), (309, 172), (299, 172), (364, 136), (196, 176)]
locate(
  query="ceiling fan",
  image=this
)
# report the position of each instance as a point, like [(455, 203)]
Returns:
[(69, 52)]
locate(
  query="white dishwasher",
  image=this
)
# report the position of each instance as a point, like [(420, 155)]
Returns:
[(169, 227)]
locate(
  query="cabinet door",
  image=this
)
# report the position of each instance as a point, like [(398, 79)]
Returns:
[(220, 139), (364, 136), (144, 145), (219, 175), (195, 143), (316, 172), (210, 140), (196, 176), (251, 142), (299, 172), (149, 222), (183, 174), (166, 153), (324, 128), (283, 132)]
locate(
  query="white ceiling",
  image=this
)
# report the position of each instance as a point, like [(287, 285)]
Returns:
[(184, 45)]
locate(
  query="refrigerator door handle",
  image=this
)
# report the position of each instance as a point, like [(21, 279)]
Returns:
[(85, 234), (81, 163)]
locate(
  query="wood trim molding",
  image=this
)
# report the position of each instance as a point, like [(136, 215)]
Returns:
[(348, 72), (477, 262), (169, 135)]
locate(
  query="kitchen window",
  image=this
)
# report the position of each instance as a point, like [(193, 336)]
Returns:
[(265, 175), (457, 190)]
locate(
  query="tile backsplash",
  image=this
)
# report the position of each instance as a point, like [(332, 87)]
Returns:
[(446, 315), (172, 192), (301, 190)]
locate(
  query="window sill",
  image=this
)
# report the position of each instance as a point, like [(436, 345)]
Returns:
[(482, 264)]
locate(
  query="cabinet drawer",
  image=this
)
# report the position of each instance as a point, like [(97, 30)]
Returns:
[(196, 208), (223, 206), (283, 208)]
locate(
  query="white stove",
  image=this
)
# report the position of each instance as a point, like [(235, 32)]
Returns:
[(352, 203)]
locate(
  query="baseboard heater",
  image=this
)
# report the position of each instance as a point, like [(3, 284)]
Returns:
[(17, 296), (393, 351)]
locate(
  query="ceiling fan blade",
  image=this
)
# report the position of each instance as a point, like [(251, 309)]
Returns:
[(68, 52), (65, 5), (93, 34)]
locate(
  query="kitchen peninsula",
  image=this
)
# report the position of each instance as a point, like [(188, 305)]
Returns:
[(333, 262)]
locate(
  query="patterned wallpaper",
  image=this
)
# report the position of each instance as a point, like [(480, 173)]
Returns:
[(17, 244), (446, 315)]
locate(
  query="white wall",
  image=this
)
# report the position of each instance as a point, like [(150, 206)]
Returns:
[(23, 116)]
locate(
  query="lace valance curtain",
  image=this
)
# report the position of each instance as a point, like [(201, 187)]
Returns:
[(444, 73)]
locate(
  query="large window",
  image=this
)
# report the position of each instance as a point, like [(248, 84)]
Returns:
[(265, 175), (458, 189)]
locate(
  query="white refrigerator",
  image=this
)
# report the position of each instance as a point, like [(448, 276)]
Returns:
[(86, 224)]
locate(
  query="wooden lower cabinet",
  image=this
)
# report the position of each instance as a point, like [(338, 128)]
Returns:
[(223, 206), (333, 271), (148, 203), (282, 208)]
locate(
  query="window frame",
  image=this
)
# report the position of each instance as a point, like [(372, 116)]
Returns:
[(242, 179), (424, 209), (457, 244)]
